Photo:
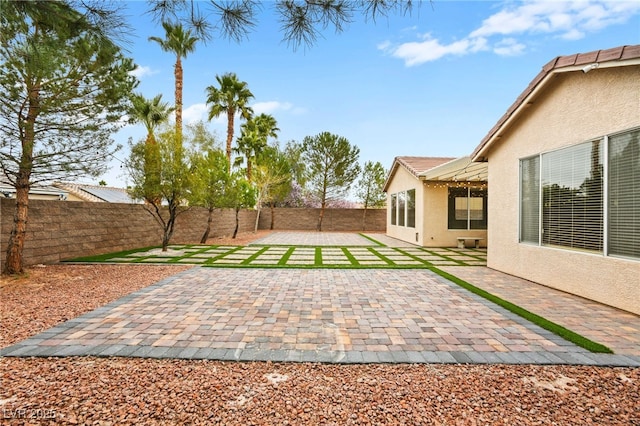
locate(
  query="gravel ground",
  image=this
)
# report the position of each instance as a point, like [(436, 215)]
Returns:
[(114, 391)]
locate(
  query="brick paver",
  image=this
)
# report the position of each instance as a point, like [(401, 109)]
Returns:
[(617, 329), (308, 315)]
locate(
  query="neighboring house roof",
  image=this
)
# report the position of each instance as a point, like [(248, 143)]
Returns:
[(97, 193), (7, 190), (584, 62), (415, 166)]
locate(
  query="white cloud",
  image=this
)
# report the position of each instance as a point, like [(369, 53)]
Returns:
[(430, 49), (565, 19), (568, 20), (142, 71), (195, 113), (508, 47), (270, 107)]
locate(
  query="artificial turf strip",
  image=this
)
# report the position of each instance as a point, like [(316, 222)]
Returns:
[(107, 256), (285, 257), (557, 329), (349, 256), (254, 256), (317, 259), (372, 240)]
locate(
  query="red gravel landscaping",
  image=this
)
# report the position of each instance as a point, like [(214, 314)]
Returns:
[(114, 391)]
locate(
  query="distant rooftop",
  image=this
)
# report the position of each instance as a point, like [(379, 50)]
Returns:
[(97, 193)]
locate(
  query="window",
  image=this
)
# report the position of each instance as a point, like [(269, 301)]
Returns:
[(563, 200), (403, 208), (624, 195), (467, 208), (394, 208), (530, 200), (572, 197), (411, 208)]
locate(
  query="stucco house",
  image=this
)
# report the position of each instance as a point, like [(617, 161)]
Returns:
[(564, 176), (437, 201)]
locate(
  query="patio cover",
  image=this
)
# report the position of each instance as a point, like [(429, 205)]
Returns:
[(461, 169)]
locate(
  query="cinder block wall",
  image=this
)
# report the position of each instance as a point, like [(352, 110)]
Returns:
[(59, 230), (345, 220)]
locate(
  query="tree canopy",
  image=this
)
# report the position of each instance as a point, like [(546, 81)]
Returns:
[(301, 21), (333, 166), (65, 86)]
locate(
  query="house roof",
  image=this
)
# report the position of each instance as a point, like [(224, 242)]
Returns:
[(7, 190), (415, 166), (97, 193), (584, 62)]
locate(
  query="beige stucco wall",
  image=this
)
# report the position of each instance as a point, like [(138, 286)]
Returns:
[(431, 214), (574, 108)]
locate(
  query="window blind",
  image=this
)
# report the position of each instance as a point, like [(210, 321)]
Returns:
[(624, 195), (572, 193), (530, 200)]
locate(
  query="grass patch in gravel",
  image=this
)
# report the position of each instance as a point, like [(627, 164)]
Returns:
[(557, 329)]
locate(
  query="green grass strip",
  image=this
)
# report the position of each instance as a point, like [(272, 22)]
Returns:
[(477, 257), (372, 240), (254, 256), (105, 257), (221, 255), (381, 256), (285, 257), (405, 253), (317, 259), (557, 329), (349, 256)]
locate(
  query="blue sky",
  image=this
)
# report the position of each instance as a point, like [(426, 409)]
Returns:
[(429, 84)]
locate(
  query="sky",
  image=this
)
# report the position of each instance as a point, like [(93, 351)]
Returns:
[(430, 84)]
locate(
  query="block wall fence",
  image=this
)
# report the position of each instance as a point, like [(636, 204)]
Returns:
[(60, 230)]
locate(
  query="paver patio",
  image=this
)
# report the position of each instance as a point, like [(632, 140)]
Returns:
[(348, 316), (337, 315)]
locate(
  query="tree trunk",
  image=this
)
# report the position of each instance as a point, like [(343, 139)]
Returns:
[(319, 227), (273, 205), (230, 118), (168, 230), (255, 228), (15, 248), (14, 262), (178, 94), (205, 236), (235, 231)]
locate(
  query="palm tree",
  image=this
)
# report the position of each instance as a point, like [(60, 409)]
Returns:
[(254, 136), (181, 42), (231, 98), (151, 113)]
